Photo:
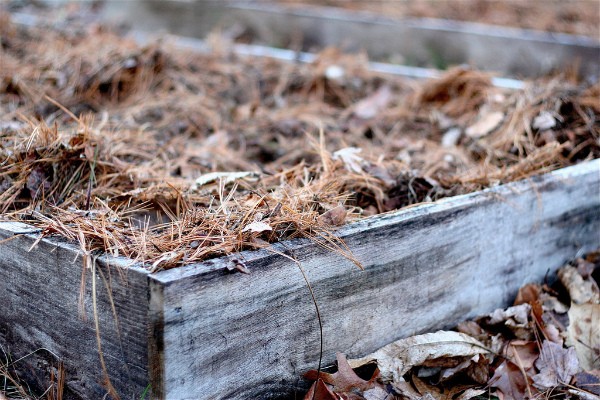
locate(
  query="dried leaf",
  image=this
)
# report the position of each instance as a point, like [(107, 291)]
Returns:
[(522, 353), (557, 366), (225, 177), (475, 368), (581, 290), (320, 391), (510, 382), (585, 268), (470, 393), (426, 389), (335, 217), (471, 328), (528, 294), (589, 381), (544, 120), (344, 380), (451, 137), (395, 359), (406, 391), (257, 227), (335, 72), (376, 393), (38, 182), (237, 265), (485, 125), (349, 157), (370, 106), (583, 334), (517, 314)]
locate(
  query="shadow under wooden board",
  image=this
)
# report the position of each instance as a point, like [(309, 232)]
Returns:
[(200, 331)]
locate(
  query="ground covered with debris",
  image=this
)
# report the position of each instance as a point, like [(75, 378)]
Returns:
[(169, 157), (547, 345)]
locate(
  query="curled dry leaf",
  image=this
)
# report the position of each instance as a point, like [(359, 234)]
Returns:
[(237, 265), (544, 120), (581, 290), (486, 124), (451, 137), (395, 359), (257, 227), (528, 294), (476, 368), (225, 177), (334, 217), (349, 157), (516, 314), (369, 107)]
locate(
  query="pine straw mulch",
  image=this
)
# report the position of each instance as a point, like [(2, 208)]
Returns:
[(130, 150)]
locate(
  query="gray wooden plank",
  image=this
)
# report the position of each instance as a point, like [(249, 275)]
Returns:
[(39, 314), (239, 336), (422, 42)]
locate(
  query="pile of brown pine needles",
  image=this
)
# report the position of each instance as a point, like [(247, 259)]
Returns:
[(170, 158)]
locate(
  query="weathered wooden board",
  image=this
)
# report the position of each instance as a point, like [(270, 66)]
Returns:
[(41, 323), (421, 42), (235, 336), (201, 332)]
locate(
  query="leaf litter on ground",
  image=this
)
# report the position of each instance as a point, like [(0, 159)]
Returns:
[(167, 157), (537, 349)]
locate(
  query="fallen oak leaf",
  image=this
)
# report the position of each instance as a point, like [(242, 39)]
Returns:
[(397, 358), (345, 379), (320, 391)]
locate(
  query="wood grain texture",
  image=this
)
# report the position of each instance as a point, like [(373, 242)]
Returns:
[(424, 42), (200, 332), (39, 313), (236, 336)]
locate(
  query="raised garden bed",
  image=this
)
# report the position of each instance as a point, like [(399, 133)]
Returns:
[(181, 319), (421, 42)]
